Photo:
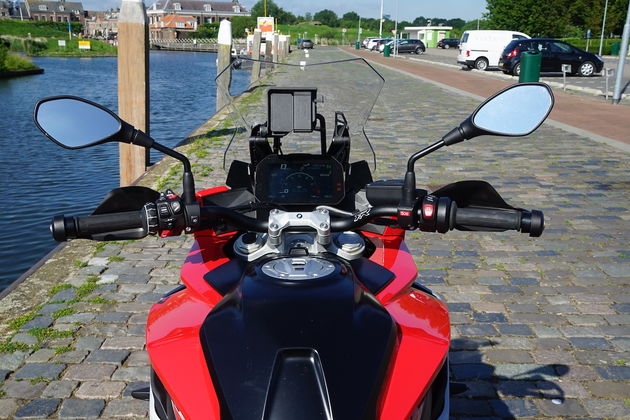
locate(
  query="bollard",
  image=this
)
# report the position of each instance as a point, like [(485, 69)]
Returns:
[(224, 59), (387, 50), (256, 56), (530, 66), (614, 48), (133, 85)]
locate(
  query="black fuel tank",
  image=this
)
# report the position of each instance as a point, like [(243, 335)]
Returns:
[(298, 338)]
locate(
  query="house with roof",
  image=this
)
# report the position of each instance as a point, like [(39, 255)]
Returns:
[(202, 11), (430, 35), (99, 24), (172, 26), (13, 9), (56, 11)]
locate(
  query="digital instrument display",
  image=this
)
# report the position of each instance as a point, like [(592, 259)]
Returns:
[(299, 180)]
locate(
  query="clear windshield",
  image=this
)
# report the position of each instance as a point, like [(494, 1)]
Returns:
[(348, 85)]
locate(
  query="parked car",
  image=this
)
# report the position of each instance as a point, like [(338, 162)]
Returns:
[(411, 46), (554, 54), (365, 41), (306, 44), (371, 45), (448, 43), (378, 46), (482, 49)]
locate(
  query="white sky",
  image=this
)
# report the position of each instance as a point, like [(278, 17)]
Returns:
[(407, 9)]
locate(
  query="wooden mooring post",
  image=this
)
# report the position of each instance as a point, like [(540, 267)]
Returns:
[(256, 56), (268, 41), (274, 48), (224, 58), (133, 84)]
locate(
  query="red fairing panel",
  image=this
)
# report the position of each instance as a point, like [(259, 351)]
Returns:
[(177, 357), (424, 337), (423, 325)]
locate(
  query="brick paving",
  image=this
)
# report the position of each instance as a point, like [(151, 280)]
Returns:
[(540, 326)]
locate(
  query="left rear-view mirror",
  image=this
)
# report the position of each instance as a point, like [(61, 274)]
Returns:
[(75, 123)]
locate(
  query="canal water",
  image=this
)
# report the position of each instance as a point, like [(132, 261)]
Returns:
[(41, 179)]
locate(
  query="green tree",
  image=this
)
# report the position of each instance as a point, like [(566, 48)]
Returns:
[(308, 16), (351, 17), (536, 18), (327, 17), (420, 21), (241, 23), (456, 23), (273, 9), (207, 30)]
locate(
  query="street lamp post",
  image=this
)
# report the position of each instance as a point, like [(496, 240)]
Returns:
[(380, 25), (601, 40), (622, 58)]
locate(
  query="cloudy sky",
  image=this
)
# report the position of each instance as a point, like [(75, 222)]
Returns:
[(407, 9)]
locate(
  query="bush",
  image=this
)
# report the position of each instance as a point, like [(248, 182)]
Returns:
[(593, 45), (15, 62), (4, 52), (28, 45)]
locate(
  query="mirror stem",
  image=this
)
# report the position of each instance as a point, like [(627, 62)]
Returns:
[(188, 181), (409, 186)]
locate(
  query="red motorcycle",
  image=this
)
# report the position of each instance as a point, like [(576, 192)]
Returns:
[(300, 299)]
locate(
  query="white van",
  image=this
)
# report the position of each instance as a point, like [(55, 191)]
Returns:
[(482, 49)]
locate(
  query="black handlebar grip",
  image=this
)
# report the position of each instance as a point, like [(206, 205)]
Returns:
[(64, 228), (524, 221)]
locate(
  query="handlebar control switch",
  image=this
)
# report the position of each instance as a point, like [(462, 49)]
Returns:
[(151, 218), (434, 214)]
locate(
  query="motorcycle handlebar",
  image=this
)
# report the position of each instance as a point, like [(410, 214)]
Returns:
[(136, 224)]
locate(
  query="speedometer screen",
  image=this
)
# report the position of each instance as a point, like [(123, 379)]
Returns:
[(300, 181)]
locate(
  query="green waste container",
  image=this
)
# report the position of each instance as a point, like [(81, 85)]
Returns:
[(357, 45), (615, 47), (387, 50), (530, 66)]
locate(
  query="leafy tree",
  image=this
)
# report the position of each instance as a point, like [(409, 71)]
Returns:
[(308, 16), (556, 17), (456, 23), (208, 30), (351, 17), (420, 21), (273, 10), (327, 17), (536, 18), (240, 23)]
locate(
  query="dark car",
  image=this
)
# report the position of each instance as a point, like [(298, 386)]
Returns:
[(448, 43), (410, 46), (554, 54), (306, 44)]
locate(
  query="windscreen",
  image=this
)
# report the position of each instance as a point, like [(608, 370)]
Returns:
[(347, 85)]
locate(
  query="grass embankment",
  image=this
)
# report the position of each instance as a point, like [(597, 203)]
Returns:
[(42, 38), (331, 36)]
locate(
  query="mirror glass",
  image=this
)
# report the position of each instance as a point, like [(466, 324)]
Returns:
[(516, 111), (74, 123)]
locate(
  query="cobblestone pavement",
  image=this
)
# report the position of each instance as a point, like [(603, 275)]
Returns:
[(540, 326)]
